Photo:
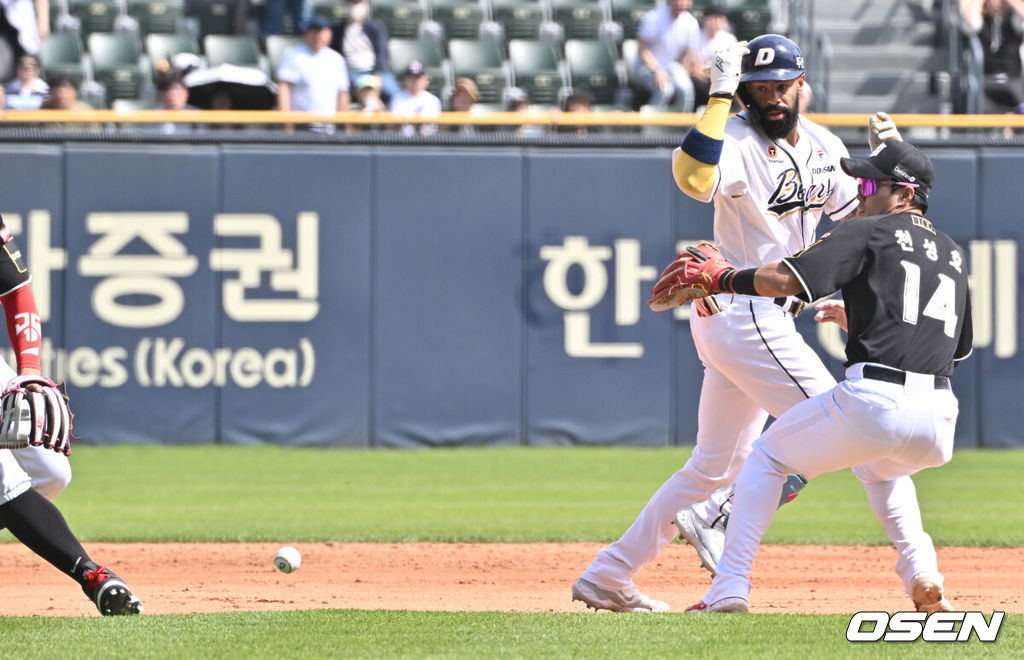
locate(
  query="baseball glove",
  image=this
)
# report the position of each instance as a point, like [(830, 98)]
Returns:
[(694, 274), (35, 419)]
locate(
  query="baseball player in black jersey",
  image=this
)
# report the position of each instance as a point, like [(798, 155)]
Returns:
[(908, 314), (35, 439)]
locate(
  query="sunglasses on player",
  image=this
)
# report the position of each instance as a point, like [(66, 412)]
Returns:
[(868, 187)]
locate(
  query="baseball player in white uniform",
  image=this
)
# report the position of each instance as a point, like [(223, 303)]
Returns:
[(771, 175), (907, 304)]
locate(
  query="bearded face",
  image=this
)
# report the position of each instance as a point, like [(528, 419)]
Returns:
[(773, 125)]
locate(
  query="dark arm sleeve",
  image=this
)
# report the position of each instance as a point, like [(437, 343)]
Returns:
[(380, 45), (966, 342), (833, 260)]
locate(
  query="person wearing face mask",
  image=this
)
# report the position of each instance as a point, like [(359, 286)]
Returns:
[(364, 44)]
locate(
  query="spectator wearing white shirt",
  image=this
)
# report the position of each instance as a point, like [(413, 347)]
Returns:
[(312, 77), (415, 101), (714, 36), (668, 34), (28, 90)]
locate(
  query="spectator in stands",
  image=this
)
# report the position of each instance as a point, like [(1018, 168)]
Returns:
[(274, 11), (64, 96), (668, 35), (999, 25), (27, 91), (714, 36), (368, 97), (517, 100), (464, 95), (364, 44), (23, 25), (313, 77), (415, 101), (173, 96), (578, 102)]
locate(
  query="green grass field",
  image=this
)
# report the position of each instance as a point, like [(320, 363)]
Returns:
[(502, 495)]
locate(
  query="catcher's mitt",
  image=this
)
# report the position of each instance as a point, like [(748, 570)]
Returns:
[(35, 419), (694, 274)]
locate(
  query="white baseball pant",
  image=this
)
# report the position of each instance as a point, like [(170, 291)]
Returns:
[(755, 363), (885, 431)]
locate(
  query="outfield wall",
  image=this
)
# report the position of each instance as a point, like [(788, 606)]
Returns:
[(401, 297)]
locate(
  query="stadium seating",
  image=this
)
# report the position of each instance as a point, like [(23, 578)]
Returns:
[(95, 15), (535, 70), (332, 10), (460, 19), (276, 44), (157, 16), (581, 19), (241, 50), (213, 16), (483, 62), (592, 67), (519, 19), (61, 53), (160, 47), (629, 13), (401, 17), (116, 64)]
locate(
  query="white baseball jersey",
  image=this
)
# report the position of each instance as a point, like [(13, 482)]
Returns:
[(769, 196)]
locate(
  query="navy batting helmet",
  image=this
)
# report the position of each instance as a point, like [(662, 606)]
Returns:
[(771, 57)]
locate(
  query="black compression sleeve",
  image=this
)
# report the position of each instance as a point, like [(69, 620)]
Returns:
[(739, 281)]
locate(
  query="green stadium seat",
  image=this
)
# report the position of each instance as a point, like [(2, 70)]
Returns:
[(115, 64), (535, 70), (276, 44), (61, 53), (95, 15), (238, 49), (518, 19), (460, 19), (213, 16), (332, 10), (160, 47), (581, 19), (402, 18), (592, 67), (629, 14), (157, 16), (483, 62), (403, 51)]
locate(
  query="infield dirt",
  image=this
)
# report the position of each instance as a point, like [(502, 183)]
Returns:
[(175, 578)]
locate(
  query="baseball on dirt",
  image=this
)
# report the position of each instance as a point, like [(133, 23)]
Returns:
[(287, 559)]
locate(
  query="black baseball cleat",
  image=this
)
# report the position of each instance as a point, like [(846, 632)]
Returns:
[(110, 593)]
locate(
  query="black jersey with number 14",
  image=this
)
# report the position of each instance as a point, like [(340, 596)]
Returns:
[(905, 288)]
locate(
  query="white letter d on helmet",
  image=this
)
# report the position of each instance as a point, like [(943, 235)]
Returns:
[(764, 56)]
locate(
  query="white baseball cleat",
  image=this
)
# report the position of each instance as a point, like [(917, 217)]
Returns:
[(730, 605), (926, 590), (629, 600), (708, 542)]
